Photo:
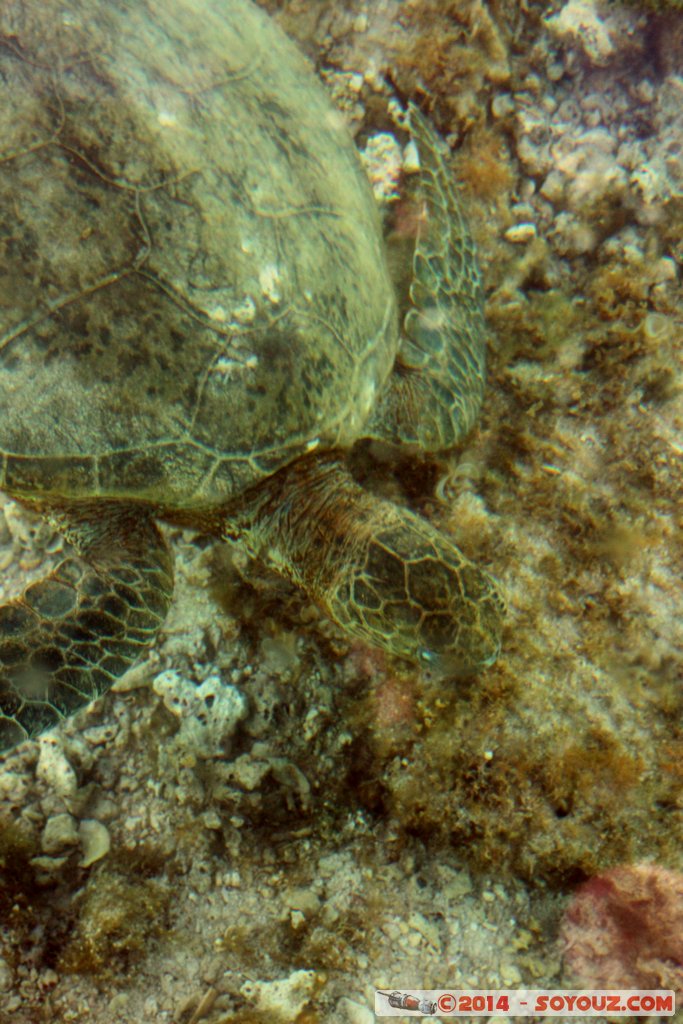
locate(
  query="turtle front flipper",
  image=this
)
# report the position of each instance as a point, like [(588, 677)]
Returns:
[(383, 573), (433, 396), (74, 632)]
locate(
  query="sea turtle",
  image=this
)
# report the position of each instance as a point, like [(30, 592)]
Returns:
[(196, 323)]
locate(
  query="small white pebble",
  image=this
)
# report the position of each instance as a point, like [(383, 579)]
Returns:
[(657, 327), (60, 832), (354, 1013), (6, 976), (502, 105), (510, 975), (54, 769), (645, 91), (520, 233), (663, 269), (95, 841), (382, 159), (283, 999)]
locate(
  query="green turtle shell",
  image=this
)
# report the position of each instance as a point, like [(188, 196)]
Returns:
[(193, 286)]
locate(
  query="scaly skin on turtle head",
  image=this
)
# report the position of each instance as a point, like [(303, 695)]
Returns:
[(411, 591), (381, 572)]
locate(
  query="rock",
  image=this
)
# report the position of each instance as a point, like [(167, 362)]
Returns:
[(59, 833), (283, 999), (95, 841)]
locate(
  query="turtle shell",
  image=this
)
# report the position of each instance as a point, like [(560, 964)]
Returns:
[(193, 286)]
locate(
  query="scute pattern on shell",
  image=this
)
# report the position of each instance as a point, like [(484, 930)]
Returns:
[(176, 323)]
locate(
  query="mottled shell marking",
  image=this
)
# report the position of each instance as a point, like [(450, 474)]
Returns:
[(195, 293)]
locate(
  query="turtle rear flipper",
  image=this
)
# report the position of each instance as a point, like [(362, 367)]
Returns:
[(434, 394), (73, 633)]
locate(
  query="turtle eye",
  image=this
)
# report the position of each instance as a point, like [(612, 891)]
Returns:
[(438, 665)]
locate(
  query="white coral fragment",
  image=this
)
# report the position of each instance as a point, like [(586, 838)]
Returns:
[(283, 999), (579, 22)]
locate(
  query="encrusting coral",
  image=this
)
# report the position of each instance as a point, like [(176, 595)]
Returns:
[(624, 929)]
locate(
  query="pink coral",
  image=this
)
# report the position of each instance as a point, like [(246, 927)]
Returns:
[(624, 929)]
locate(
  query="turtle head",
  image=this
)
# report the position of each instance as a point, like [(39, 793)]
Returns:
[(411, 591), (383, 573)]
